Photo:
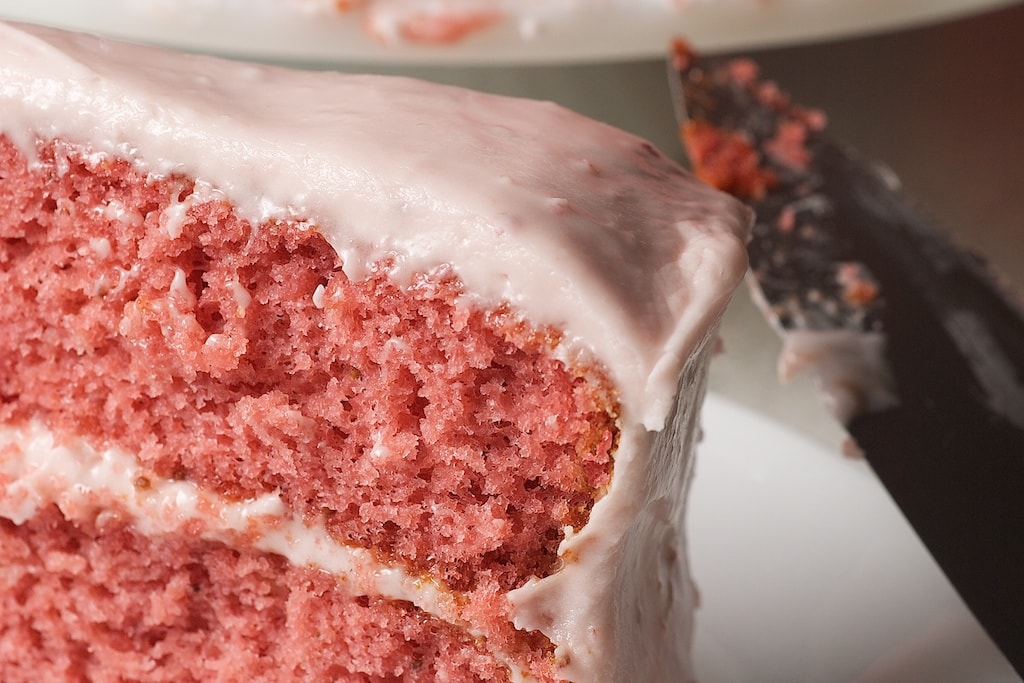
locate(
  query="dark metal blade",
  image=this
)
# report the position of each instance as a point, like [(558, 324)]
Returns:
[(838, 252)]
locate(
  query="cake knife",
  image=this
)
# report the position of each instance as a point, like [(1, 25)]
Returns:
[(917, 346)]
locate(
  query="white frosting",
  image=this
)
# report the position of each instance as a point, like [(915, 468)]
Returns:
[(575, 223), (848, 369)]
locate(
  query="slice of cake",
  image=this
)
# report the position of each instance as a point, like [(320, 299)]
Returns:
[(310, 377)]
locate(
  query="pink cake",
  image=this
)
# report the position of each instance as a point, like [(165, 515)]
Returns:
[(310, 377)]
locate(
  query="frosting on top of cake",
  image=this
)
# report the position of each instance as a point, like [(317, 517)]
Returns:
[(572, 221)]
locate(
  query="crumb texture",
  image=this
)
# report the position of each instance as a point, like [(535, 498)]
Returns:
[(144, 314), (187, 611)]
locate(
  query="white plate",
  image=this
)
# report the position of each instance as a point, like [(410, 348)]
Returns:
[(556, 31), (809, 573)]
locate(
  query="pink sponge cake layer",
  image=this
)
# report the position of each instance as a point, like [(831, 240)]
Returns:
[(317, 377), (241, 357), (96, 601)]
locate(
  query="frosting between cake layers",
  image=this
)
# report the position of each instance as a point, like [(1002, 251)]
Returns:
[(83, 482), (35, 471)]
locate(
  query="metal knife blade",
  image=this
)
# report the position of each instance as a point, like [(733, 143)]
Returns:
[(918, 344)]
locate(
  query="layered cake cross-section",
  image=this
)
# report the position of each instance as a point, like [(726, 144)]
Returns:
[(313, 377)]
